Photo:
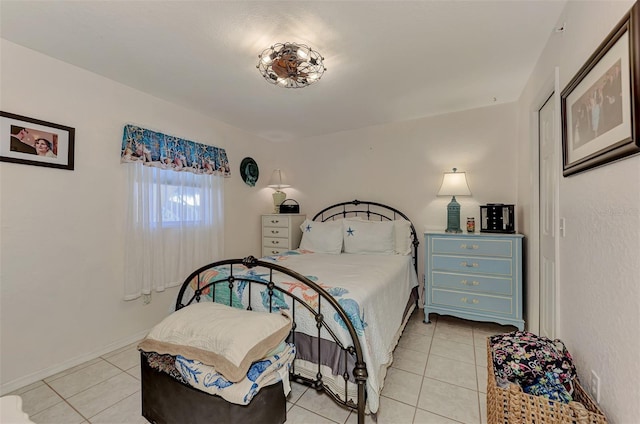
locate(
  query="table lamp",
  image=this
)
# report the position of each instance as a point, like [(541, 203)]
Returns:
[(454, 184), (277, 182)]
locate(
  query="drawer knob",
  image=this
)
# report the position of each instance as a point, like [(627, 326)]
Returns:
[(469, 246), (465, 282), (475, 283), (275, 232), (463, 300), (275, 242), (475, 301), (469, 265), (274, 251), (274, 221)]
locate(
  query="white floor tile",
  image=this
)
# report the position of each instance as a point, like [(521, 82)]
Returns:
[(481, 356), (426, 417), (38, 399), (297, 390), (127, 411), (135, 372), (451, 371), (419, 327), (298, 415), (402, 386), (71, 370), (415, 341), (409, 360), (125, 359), (104, 395), (450, 401), (482, 379), (60, 413), (483, 407), (453, 350), (84, 378), (322, 404)]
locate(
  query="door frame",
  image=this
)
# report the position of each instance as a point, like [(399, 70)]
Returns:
[(549, 89)]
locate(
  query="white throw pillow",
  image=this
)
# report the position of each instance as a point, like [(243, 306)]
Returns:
[(208, 332), (368, 237), (321, 237), (402, 229)]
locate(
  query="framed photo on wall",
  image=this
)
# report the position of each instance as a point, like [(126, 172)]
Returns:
[(600, 113), (31, 141)]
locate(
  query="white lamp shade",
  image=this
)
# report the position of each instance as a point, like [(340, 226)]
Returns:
[(278, 180), (454, 184)]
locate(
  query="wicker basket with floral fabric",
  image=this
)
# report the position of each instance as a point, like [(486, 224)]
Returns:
[(512, 406)]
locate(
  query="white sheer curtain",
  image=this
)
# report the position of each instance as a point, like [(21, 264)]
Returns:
[(175, 224)]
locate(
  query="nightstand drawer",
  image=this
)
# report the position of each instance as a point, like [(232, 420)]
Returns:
[(475, 265), (275, 221), (473, 301), (462, 246), (269, 251), (275, 232), (474, 283), (275, 242)]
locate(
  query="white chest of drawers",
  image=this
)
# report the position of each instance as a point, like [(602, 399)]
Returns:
[(281, 232), (474, 276)]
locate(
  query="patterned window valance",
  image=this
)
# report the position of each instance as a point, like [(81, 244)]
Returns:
[(169, 152)]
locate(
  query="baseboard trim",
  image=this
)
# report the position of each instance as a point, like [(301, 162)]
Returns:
[(11, 386)]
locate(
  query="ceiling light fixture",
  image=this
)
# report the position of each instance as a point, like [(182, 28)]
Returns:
[(291, 65)]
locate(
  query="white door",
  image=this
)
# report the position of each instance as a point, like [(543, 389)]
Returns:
[(548, 141)]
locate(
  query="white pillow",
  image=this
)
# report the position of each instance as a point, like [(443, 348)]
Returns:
[(226, 338), (402, 229), (366, 237), (321, 237)]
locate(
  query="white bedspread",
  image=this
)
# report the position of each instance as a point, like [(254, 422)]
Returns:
[(373, 290)]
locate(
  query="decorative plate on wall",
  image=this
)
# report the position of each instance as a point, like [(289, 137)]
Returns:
[(249, 171)]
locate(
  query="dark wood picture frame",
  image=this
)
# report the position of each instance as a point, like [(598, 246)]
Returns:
[(600, 113), (30, 141)]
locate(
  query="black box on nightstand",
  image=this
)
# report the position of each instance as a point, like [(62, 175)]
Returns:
[(497, 218)]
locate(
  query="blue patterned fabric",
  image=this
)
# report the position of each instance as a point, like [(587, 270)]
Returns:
[(549, 386), (264, 372), (152, 148)]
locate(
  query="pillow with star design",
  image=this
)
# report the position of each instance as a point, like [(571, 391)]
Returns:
[(321, 237), (368, 237)]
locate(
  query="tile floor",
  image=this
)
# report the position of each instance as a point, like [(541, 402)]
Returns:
[(438, 376)]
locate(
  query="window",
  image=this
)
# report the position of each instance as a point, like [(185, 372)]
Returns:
[(174, 225)]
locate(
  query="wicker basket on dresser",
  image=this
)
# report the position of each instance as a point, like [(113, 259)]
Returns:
[(513, 406)]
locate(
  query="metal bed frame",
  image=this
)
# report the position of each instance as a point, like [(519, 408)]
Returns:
[(351, 354)]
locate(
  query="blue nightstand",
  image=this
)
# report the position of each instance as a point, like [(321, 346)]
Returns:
[(474, 276)]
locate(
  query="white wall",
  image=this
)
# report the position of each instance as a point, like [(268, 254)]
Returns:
[(402, 165), (599, 297), (61, 232), (63, 305)]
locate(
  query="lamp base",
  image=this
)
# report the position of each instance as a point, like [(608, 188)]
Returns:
[(278, 198), (453, 216)]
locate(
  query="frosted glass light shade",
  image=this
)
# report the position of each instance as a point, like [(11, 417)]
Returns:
[(278, 180), (454, 184)]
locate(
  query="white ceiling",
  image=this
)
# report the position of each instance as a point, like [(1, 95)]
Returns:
[(386, 61)]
